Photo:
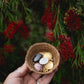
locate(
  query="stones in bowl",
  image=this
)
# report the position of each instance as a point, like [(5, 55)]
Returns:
[(47, 54), (37, 57), (49, 65), (38, 66), (43, 61)]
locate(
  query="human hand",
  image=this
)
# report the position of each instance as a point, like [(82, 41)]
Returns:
[(22, 76)]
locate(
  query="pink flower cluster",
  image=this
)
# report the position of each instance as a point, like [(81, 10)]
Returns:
[(50, 36), (11, 30), (72, 20), (66, 47), (49, 18), (8, 48)]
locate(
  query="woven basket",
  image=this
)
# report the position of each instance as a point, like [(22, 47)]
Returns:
[(42, 47)]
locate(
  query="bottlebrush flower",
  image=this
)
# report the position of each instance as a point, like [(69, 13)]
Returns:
[(49, 19), (66, 48), (44, 18), (8, 48), (49, 3), (2, 59), (10, 30), (23, 29), (72, 20), (50, 36), (63, 37)]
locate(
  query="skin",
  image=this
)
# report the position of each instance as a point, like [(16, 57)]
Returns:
[(22, 76)]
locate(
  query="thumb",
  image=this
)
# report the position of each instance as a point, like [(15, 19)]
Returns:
[(21, 71)]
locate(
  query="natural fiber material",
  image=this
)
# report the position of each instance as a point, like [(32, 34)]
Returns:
[(42, 47)]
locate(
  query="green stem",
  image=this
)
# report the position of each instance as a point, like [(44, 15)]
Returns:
[(8, 42), (23, 5), (57, 24), (16, 9)]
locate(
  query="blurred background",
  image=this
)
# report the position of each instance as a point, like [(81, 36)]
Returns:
[(58, 22)]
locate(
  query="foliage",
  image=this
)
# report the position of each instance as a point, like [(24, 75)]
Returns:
[(58, 22)]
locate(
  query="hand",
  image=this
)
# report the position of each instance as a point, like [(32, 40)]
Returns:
[(22, 76)]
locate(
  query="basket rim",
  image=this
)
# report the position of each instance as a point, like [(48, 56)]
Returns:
[(42, 43)]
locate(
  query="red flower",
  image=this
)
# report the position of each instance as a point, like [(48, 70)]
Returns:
[(49, 3), (11, 30), (73, 20), (23, 29), (8, 48), (2, 59), (64, 37), (49, 19), (50, 36), (44, 18), (20, 27), (66, 48)]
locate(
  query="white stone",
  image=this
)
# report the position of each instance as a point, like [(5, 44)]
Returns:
[(43, 60)]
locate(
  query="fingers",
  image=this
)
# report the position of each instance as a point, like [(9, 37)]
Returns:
[(35, 75), (28, 79), (21, 71), (47, 78)]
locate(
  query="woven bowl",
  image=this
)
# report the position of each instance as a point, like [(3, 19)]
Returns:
[(42, 47)]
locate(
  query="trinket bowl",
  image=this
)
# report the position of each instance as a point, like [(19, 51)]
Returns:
[(42, 47)]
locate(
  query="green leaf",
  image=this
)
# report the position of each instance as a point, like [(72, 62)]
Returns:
[(11, 17), (1, 22), (83, 56), (0, 2), (28, 10)]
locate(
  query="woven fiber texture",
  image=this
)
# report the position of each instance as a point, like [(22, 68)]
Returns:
[(42, 47)]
